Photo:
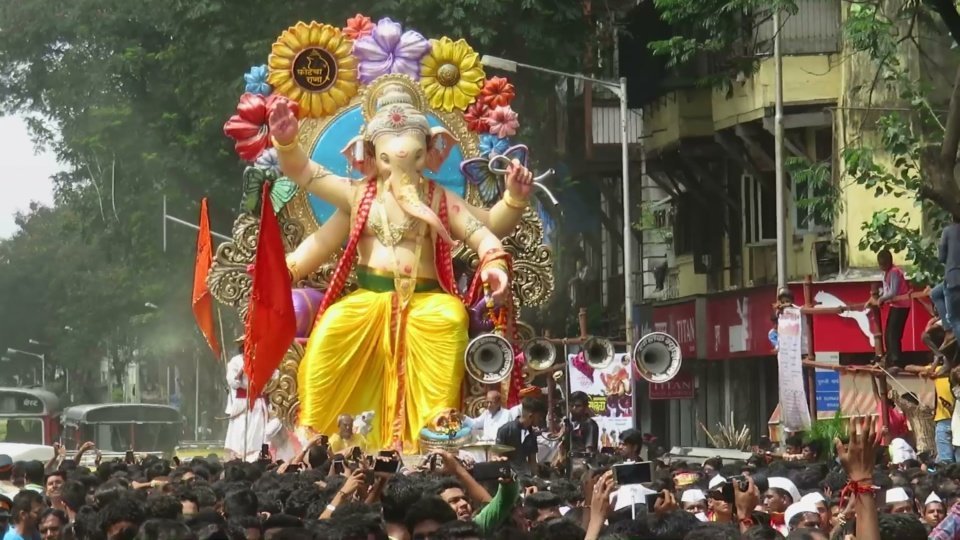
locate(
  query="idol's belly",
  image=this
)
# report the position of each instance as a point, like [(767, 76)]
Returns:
[(373, 254)]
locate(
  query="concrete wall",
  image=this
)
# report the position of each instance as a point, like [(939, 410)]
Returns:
[(807, 79)]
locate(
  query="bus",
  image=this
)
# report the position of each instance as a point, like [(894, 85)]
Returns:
[(29, 416)]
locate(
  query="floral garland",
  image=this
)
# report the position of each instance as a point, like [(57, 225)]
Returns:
[(319, 68)]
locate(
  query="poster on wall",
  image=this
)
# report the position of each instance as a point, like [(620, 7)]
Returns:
[(795, 416), (611, 394)]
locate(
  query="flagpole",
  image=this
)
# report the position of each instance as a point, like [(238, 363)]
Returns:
[(196, 397), (246, 423)]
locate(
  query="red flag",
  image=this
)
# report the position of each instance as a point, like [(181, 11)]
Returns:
[(202, 301), (271, 322)]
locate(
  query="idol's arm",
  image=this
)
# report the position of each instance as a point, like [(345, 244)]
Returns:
[(503, 218), (313, 177), (319, 246), (469, 229)]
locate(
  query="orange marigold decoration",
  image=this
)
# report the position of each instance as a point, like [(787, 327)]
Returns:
[(475, 115), (358, 26), (498, 92)]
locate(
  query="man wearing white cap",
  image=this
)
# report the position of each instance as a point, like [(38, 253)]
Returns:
[(801, 515), (898, 501), (716, 482), (694, 501), (781, 493), (820, 502), (933, 510)]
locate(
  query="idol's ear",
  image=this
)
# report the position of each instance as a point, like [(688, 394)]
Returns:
[(359, 154), (440, 143)]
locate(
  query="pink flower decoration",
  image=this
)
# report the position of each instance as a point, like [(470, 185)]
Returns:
[(475, 115), (358, 26), (502, 121)]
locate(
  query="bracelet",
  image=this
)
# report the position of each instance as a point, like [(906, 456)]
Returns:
[(331, 508), (285, 148), (856, 488), (292, 268), (496, 263), (513, 202)]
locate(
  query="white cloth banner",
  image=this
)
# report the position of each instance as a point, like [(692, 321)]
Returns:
[(795, 416), (611, 395)]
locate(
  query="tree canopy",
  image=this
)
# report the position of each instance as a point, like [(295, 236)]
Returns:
[(132, 97)]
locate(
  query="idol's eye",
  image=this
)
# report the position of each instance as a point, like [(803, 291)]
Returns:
[(384, 157)]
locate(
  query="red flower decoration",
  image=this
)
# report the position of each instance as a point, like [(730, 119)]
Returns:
[(358, 26), (249, 128), (498, 92), (475, 115)]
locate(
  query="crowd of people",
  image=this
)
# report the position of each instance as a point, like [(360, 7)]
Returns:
[(341, 493)]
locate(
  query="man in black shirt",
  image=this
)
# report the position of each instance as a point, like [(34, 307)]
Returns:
[(520, 435), (584, 431), (631, 443)]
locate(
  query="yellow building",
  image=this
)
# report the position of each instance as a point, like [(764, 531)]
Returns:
[(708, 223)]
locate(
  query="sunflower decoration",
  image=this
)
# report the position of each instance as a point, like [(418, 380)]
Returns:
[(451, 74), (312, 65)]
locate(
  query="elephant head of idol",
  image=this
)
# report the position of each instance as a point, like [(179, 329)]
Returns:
[(396, 145)]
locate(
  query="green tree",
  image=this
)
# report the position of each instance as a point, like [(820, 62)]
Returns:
[(132, 97)]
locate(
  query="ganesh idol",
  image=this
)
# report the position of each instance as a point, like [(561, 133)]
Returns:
[(396, 344)]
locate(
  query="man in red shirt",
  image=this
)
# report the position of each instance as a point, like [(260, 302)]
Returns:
[(894, 285)]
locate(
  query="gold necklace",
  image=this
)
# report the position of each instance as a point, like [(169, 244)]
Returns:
[(404, 286), (391, 235)]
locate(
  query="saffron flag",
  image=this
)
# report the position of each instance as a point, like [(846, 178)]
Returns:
[(202, 300), (271, 322)]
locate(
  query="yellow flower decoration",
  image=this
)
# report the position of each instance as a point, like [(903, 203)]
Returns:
[(312, 64), (451, 75)]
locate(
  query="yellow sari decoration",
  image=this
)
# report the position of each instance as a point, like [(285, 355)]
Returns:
[(350, 365)]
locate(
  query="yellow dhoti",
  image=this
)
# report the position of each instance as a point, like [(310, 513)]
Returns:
[(350, 365)]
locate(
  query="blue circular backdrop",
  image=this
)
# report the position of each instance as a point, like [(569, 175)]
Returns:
[(346, 126)]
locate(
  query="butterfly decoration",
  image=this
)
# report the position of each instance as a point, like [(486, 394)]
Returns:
[(282, 189), (477, 172)]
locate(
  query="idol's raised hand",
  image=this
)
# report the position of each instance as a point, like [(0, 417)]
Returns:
[(519, 180), (283, 123)]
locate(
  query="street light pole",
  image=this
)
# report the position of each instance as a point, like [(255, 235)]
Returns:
[(778, 154), (43, 363), (619, 89), (627, 216), (178, 221)]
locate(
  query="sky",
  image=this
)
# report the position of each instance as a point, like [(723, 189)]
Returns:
[(27, 174)]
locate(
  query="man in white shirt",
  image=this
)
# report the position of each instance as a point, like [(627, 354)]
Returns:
[(490, 421), (246, 427)]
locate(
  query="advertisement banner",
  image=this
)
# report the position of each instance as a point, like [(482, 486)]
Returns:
[(611, 394), (851, 331), (795, 416), (683, 386), (678, 320)]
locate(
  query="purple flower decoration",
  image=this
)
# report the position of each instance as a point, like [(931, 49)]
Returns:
[(390, 50)]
